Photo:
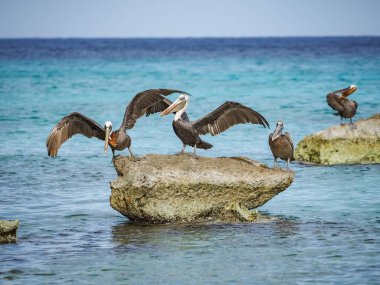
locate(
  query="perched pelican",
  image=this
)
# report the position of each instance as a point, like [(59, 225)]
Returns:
[(338, 101), (281, 145), (144, 103), (219, 120)]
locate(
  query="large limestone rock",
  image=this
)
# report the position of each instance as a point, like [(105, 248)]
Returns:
[(175, 188), (343, 144), (8, 231)]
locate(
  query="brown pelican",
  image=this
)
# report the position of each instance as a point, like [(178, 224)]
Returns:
[(144, 103), (281, 145), (219, 120), (339, 102)]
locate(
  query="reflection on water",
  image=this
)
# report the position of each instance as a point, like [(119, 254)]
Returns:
[(130, 233), (295, 248)]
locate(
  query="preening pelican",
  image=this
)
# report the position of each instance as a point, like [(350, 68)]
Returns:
[(339, 102), (281, 145), (219, 120), (144, 103)]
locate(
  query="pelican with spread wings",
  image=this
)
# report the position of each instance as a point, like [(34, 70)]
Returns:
[(144, 103), (216, 122)]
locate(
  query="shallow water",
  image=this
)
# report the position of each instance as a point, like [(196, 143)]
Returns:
[(323, 229)]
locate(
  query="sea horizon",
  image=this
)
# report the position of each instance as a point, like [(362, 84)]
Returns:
[(185, 37)]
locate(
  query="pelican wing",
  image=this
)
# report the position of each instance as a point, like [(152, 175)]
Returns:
[(226, 116), (270, 138), (158, 106), (289, 139), (334, 102), (73, 124), (146, 103), (356, 104)]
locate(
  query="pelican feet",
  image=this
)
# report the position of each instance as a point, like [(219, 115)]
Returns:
[(188, 154), (182, 150), (130, 157), (283, 169), (115, 157), (352, 126), (275, 165), (193, 155), (134, 158)]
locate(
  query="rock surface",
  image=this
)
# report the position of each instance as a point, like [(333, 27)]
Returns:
[(8, 231), (178, 188), (342, 144)]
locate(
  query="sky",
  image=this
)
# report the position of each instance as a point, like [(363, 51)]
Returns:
[(187, 18)]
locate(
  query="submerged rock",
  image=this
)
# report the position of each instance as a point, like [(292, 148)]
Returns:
[(172, 188), (8, 231), (343, 144)]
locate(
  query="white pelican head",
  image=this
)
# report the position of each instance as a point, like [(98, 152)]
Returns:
[(178, 106), (277, 132)]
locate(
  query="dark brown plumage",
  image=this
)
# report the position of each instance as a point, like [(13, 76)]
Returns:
[(339, 102), (144, 103), (75, 123), (188, 135), (226, 116), (219, 120), (281, 145)]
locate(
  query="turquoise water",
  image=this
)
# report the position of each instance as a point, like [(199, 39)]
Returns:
[(323, 229)]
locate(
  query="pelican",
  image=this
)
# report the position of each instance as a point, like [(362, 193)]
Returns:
[(339, 102), (281, 145), (144, 103), (219, 120)]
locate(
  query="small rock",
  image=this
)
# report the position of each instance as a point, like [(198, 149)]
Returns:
[(181, 188), (8, 231), (345, 144)]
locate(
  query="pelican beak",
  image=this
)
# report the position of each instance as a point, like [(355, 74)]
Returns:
[(347, 91), (108, 131), (277, 132), (174, 107)]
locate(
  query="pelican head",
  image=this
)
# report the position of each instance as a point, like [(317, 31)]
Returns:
[(347, 91), (278, 130), (108, 130), (351, 89), (177, 105)]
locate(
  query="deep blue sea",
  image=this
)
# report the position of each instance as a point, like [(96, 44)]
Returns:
[(324, 229)]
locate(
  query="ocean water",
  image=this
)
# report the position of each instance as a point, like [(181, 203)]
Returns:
[(324, 229)]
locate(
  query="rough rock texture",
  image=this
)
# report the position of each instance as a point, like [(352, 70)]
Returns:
[(162, 188), (8, 231), (342, 144)]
